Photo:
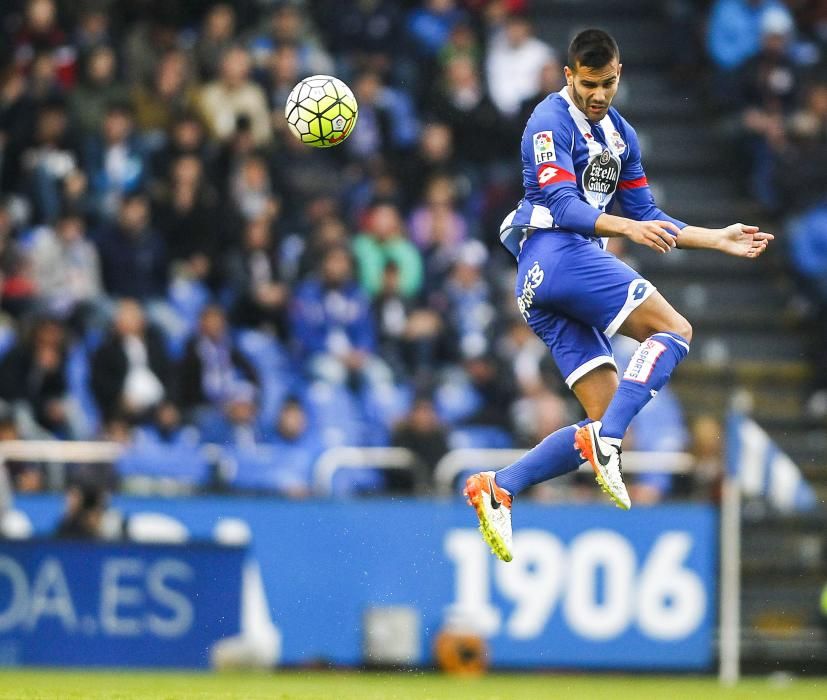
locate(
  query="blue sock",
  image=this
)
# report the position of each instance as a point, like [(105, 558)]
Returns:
[(648, 370), (554, 456)]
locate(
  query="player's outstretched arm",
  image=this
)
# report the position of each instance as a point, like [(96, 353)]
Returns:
[(657, 235), (740, 240)]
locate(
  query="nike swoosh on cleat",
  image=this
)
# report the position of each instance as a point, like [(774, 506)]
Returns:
[(495, 504), (600, 458)]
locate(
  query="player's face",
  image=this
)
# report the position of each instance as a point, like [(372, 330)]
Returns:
[(593, 89)]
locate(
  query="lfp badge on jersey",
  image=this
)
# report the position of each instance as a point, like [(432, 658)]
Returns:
[(543, 147)]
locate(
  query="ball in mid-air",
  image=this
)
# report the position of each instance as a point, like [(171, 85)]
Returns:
[(321, 111)]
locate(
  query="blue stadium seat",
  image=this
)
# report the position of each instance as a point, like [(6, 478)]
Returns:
[(335, 414), (273, 366), (455, 401), (386, 404), (269, 467), (480, 436), (181, 463)]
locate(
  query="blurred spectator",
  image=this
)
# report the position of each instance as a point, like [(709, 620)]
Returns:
[(130, 372), (332, 326), (387, 121), (412, 340), (251, 189), (384, 241), (769, 85), (233, 95), (212, 366), (525, 353), (437, 228), (99, 88), (514, 64), (186, 135), (365, 34), (216, 37), (133, 254), (800, 176), (83, 514), (149, 36), (706, 448), (22, 477), (170, 93), (52, 157), (40, 32), (17, 288), (552, 80), (166, 426), (494, 390), (423, 433), (66, 268), (254, 276), (236, 423), (460, 101), (290, 25), (807, 234), (33, 379), (465, 299), (93, 29), (734, 29), (300, 445), (430, 26), (188, 218), (283, 73), (115, 160)]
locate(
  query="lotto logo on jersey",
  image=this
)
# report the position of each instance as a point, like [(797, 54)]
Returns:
[(551, 174), (643, 361), (544, 147)]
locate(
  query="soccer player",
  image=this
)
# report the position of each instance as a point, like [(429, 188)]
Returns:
[(579, 158)]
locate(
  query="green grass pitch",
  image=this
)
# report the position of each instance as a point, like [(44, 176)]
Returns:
[(315, 685)]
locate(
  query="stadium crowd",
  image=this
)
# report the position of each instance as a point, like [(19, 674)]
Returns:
[(176, 269)]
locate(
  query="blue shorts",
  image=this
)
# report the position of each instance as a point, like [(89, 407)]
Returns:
[(575, 296)]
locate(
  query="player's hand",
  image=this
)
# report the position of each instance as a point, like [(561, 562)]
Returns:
[(657, 235), (744, 241)]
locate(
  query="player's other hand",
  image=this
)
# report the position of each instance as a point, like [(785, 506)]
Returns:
[(744, 241), (657, 235)]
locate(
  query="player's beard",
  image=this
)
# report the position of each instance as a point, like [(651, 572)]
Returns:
[(583, 106)]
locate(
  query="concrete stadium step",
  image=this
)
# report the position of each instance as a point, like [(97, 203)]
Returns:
[(627, 26), (749, 373), (735, 294)]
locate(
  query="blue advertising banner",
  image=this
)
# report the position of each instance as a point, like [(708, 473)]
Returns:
[(93, 604), (590, 586)]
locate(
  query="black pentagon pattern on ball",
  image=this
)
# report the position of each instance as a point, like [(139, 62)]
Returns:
[(319, 121)]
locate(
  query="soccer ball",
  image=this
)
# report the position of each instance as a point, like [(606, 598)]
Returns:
[(321, 111)]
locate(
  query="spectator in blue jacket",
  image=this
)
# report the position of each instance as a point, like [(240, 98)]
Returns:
[(133, 254), (734, 30), (115, 160), (333, 326)]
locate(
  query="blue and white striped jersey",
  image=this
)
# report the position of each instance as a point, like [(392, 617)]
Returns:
[(574, 170)]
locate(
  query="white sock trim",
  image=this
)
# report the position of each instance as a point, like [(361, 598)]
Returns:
[(680, 342)]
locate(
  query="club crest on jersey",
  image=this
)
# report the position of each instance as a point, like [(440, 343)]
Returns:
[(600, 178), (533, 279), (617, 143), (543, 147)]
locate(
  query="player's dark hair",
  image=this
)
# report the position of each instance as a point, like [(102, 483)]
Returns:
[(592, 48)]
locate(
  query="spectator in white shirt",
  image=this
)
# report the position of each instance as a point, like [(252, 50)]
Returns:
[(514, 64)]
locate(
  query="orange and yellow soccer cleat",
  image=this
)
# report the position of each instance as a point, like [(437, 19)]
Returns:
[(604, 456), (493, 506)]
